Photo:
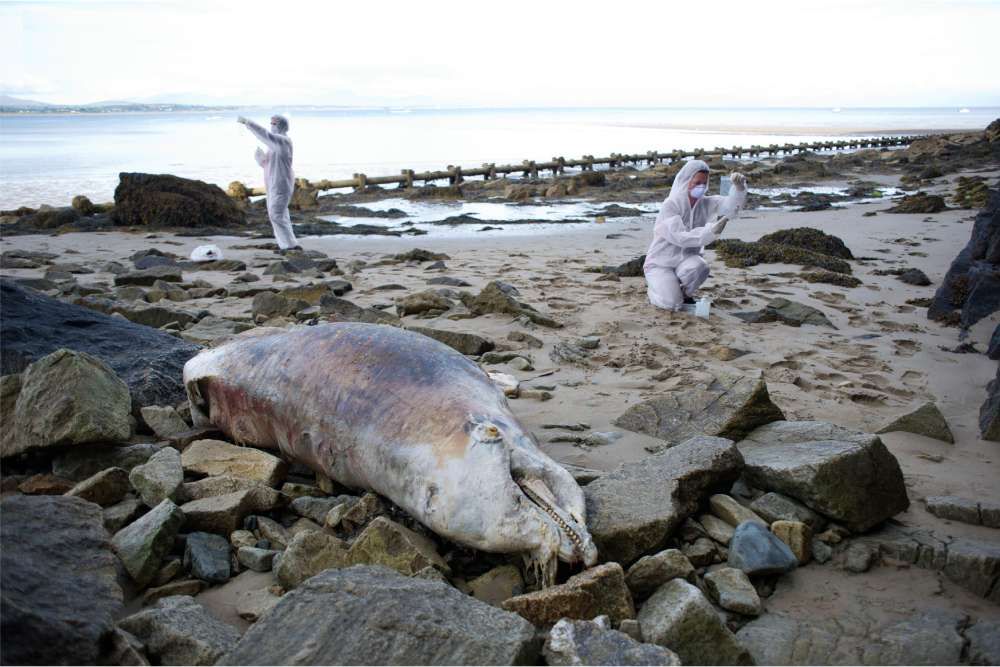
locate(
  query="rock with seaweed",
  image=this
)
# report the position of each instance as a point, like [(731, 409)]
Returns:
[(738, 254)]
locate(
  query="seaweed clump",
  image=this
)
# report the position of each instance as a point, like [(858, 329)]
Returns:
[(830, 278), (971, 192), (810, 239), (739, 254), (920, 202)]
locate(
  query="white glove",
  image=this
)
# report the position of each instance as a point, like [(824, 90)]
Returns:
[(719, 225), (242, 120), (739, 180)]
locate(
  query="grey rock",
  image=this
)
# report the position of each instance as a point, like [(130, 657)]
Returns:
[(146, 277), (775, 507), (336, 309), (124, 649), (598, 591), (984, 643), (121, 514), (787, 312), (69, 398), (726, 508), (568, 353), (206, 556), (106, 488), (594, 643), (650, 572), (159, 478), (821, 551), (989, 411), (258, 560), (730, 407), (702, 553), (954, 508), (308, 554), (926, 420), (466, 343), (717, 529), (847, 476), (81, 462), (314, 508), (733, 591), (179, 631), (755, 550), (58, 587), (372, 615), (224, 514), (211, 328), (679, 617), (142, 545), (163, 421), (634, 509)]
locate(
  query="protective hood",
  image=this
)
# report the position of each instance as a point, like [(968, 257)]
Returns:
[(280, 126), (679, 190)]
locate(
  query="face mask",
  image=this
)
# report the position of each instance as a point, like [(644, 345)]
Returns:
[(698, 191)]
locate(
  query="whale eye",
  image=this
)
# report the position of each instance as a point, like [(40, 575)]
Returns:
[(492, 431)]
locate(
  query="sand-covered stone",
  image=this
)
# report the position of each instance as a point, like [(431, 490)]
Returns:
[(845, 475), (595, 643), (106, 488), (215, 457), (494, 298), (730, 407), (179, 631), (926, 420), (633, 509), (373, 615), (69, 398), (598, 591), (158, 478), (59, 593), (385, 542), (650, 572), (679, 617), (308, 554)]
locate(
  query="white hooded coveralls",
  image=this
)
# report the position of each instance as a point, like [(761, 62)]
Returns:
[(674, 265), (279, 180)]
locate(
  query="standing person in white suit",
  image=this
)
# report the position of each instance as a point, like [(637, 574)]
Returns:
[(279, 179), (687, 222)]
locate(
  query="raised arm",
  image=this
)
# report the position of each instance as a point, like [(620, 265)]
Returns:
[(269, 139), (734, 201)]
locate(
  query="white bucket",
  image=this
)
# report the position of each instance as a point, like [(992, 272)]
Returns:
[(206, 253)]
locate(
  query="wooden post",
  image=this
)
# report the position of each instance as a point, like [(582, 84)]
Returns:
[(455, 174), (360, 182), (589, 166), (407, 178)]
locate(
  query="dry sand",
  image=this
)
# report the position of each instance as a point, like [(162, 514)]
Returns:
[(884, 357)]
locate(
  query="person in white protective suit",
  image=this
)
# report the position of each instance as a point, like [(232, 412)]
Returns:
[(689, 220), (279, 180)]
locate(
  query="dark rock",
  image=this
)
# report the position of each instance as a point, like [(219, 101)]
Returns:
[(372, 615), (421, 302), (728, 408), (170, 201), (970, 290), (921, 202), (142, 545), (206, 556), (150, 261), (335, 309), (848, 476), (599, 591), (495, 299), (915, 277), (149, 361), (595, 643), (757, 551), (984, 643), (630, 269), (740, 254), (59, 593), (449, 281), (81, 462), (776, 507), (810, 239), (146, 277), (993, 352), (466, 343), (106, 488), (179, 631), (420, 255), (635, 508), (830, 278), (989, 412), (787, 312)]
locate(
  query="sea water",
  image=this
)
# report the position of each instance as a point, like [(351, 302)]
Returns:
[(49, 158)]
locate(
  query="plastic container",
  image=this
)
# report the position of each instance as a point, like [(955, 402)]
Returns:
[(702, 307), (725, 184)]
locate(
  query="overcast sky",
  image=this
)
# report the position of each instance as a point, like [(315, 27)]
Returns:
[(505, 53)]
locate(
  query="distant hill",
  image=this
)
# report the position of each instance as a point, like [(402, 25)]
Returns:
[(8, 101), (10, 104)]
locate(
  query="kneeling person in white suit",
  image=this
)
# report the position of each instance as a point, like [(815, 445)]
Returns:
[(687, 222)]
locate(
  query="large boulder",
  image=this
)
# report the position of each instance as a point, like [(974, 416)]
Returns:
[(681, 618), (372, 615), (170, 201), (179, 631), (216, 457), (150, 362), (729, 407), (970, 290), (926, 420), (58, 587), (385, 542), (845, 475), (810, 239), (69, 398), (635, 508)]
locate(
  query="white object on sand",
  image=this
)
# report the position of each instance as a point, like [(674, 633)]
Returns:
[(702, 307), (206, 253)]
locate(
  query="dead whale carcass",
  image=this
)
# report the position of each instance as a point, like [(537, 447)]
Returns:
[(381, 408)]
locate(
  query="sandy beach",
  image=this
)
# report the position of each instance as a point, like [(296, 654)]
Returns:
[(882, 358)]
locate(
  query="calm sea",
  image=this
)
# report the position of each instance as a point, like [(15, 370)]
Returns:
[(47, 159)]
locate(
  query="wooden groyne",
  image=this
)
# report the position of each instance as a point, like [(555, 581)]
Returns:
[(558, 165)]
